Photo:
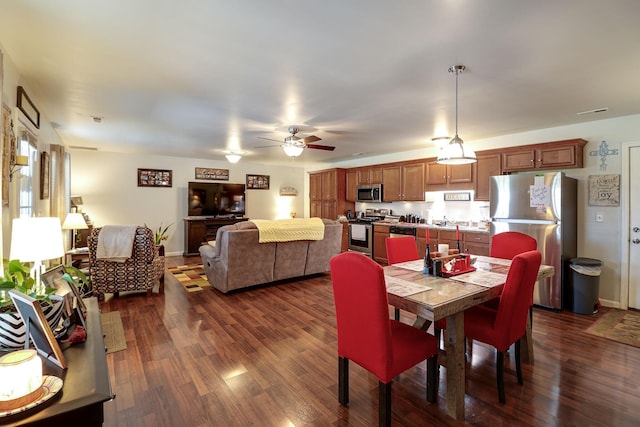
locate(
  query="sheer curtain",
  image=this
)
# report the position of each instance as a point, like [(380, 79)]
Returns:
[(59, 196)]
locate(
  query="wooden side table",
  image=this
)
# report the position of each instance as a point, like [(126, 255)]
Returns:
[(77, 257)]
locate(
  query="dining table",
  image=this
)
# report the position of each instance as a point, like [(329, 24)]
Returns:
[(433, 298)]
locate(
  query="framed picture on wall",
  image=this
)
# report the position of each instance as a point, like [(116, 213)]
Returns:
[(257, 182), (44, 175), (154, 178)]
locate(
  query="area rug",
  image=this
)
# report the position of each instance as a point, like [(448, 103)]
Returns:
[(113, 331), (618, 325), (191, 277)]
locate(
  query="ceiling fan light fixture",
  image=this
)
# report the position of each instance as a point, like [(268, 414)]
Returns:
[(233, 158), (455, 153), (292, 149)]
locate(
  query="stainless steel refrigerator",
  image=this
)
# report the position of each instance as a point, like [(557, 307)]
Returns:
[(544, 206)]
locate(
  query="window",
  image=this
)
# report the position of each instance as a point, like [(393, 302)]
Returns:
[(27, 147)]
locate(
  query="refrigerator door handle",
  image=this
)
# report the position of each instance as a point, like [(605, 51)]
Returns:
[(524, 221)]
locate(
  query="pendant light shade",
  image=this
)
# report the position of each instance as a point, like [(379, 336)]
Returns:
[(293, 149), (455, 153)]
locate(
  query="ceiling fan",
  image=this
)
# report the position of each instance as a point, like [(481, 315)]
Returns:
[(294, 145)]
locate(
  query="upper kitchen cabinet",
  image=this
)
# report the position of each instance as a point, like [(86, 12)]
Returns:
[(403, 182), (370, 175), (551, 155), (488, 165), (327, 193), (448, 177)]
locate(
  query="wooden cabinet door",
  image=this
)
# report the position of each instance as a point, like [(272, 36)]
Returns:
[(315, 186), (375, 175), (380, 234), (351, 177), (315, 208), (329, 209), (556, 157), (344, 247), (460, 174), (413, 182), (518, 160), (486, 167), (329, 185), (476, 243), (436, 174), (363, 176), (392, 180)]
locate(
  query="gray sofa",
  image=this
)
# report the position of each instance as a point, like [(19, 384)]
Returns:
[(238, 261)]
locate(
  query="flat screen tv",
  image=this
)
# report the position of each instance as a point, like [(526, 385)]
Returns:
[(216, 199)]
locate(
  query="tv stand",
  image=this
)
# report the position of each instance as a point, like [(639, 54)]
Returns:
[(199, 230)]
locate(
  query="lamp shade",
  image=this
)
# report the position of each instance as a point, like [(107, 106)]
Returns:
[(74, 221), (21, 373), (233, 158), (292, 150), (456, 153), (36, 239)]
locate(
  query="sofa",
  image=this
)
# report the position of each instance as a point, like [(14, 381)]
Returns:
[(237, 260)]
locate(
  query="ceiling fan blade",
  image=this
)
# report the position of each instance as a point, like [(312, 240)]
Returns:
[(310, 138), (271, 139), (321, 147), (267, 146)]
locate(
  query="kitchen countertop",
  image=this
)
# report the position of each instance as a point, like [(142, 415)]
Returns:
[(432, 226)]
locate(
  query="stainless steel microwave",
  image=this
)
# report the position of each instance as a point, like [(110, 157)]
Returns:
[(369, 193)]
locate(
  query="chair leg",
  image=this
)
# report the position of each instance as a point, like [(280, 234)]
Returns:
[(384, 403), (500, 375), (432, 378), (343, 381), (438, 334), (396, 314), (518, 362)]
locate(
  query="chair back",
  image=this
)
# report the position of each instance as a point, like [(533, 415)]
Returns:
[(362, 313), (401, 249), (511, 318), (511, 243)]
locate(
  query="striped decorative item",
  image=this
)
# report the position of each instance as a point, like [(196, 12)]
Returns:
[(12, 330)]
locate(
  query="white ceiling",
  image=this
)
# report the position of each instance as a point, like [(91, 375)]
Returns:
[(198, 78)]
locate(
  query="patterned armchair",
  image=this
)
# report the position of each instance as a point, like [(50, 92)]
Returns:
[(142, 271)]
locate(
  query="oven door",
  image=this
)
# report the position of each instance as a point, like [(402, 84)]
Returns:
[(361, 238)]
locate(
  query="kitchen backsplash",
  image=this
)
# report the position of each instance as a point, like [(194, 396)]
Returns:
[(435, 210)]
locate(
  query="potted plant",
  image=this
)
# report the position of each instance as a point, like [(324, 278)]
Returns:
[(17, 277), (160, 235)]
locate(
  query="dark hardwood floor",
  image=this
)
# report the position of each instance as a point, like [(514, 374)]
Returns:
[(267, 357)]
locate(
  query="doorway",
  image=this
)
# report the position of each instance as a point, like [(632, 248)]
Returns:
[(630, 250)]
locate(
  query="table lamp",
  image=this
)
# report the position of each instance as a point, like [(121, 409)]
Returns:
[(74, 221), (21, 373), (36, 239)]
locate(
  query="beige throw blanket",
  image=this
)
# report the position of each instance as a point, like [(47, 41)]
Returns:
[(287, 230), (115, 242)]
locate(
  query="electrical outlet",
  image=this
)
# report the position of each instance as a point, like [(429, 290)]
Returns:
[(599, 217)]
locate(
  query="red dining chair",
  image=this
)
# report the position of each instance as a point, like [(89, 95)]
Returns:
[(368, 337), (507, 324), (507, 245), (401, 249)]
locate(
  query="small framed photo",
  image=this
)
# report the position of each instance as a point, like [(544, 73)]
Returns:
[(38, 329), (257, 182), (154, 178)]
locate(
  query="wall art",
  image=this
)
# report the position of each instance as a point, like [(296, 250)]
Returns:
[(257, 182), (213, 174), (154, 178)]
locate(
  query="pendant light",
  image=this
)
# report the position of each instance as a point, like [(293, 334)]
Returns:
[(455, 153)]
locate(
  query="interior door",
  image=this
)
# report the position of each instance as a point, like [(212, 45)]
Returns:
[(634, 228)]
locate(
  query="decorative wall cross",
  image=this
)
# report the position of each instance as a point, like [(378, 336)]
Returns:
[(603, 151)]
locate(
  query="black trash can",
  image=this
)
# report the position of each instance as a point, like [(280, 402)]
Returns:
[(585, 282)]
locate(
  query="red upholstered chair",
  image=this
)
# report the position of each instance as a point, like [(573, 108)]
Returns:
[(507, 324), (401, 249), (367, 336), (507, 245), (511, 243)]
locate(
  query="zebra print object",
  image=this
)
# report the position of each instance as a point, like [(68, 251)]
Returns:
[(12, 330)]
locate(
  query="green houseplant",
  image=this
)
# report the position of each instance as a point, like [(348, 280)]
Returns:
[(160, 234), (17, 277)]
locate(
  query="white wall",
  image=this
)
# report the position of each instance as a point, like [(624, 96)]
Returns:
[(108, 185)]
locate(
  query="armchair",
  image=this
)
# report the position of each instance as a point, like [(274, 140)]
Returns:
[(142, 271)]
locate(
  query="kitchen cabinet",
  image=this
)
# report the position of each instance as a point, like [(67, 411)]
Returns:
[(488, 165), (448, 177), (370, 175), (351, 177), (327, 193), (565, 154), (344, 247), (380, 234), (476, 243), (403, 182)]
